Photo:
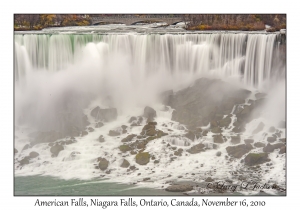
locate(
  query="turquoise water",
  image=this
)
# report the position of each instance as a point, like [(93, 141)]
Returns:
[(45, 185)]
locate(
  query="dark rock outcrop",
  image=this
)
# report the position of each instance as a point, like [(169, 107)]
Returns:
[(256, 158), (259, 144), (271, 147), (33, 154), (128, 138), (196, 149), (106, 115), (149, 113), (142, 158), (55, 150), (103, 164), (179, 188), (206, 101), (239, 150), (125, 164)]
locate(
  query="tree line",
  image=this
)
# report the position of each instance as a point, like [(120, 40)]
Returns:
[(246, 22), (40, 21)]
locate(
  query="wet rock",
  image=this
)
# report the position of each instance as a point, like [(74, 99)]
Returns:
[(103, 163), (218, 154), (125, 164), (271, 147), (142, 158), (33, 154), (225, 122), (178, 152), (259, 144), (160, 133), (99, 124), (216, 130), (260, 95), (90, 129), (239, 150), (272, 129), (149, 113), (156, 161), (271, 139), (209, 179), (218, 139), (101, 139), (149, 129), (132, 168), (235, 139), (248, 141), (132, 119), (146, 179), (84, 133), (15, 151), (106, 115), (283, 140), (282, 150), (133, 152), (128, 138), (55, 150), (27, 146), (24, 161), (256, 158), (114, 133), (259, 128), (125, 148), (192, 135), (179, 188), (196, 149)]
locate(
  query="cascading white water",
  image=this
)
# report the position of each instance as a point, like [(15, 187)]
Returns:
[(246, 56), (62, 74)]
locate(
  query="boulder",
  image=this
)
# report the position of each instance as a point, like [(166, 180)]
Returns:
[(179, 188), (225, 122), (271, 147), (259, 128), (149, 113), (209, 179), (125, 148), (56, 149), (15, 151), (142, 158), (271, 139), (149, 129), (125, 164), (103, 163), (218, 139), (259, 144), (256, 158), (106, 115), (192, 135), (260, 95), (196, 149), (99, 124), (84, 133), (132, 119), (248, 141), (272, 129), (33, 154), (101, 139), (216, 130), (239, 150), (114, 133), (24, 161), (128, 138), (178, 152), (90, 129), (235, 139), (282, 150), (218, 154)]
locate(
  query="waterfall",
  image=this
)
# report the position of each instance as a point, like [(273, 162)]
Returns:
[(249, 57)]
